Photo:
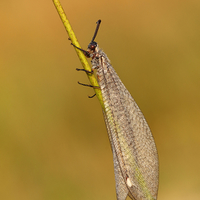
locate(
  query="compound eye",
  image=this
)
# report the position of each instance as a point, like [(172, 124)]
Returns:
[(92, 46)]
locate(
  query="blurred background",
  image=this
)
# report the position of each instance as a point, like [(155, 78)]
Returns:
[(53, 140)]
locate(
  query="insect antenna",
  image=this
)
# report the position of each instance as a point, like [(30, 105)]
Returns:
[(96, 30)]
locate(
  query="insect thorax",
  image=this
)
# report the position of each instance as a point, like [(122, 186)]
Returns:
[(99, 59)]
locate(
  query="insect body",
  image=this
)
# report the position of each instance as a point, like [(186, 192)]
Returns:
[(134, 152)]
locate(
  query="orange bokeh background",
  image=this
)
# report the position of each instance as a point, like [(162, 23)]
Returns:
[(53, 140)]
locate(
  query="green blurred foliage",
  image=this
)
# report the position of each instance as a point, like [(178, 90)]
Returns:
[(53, 141)]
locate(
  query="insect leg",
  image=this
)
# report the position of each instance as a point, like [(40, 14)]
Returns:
[(92, 96), (95, 87), (84, 51), (88, 72)]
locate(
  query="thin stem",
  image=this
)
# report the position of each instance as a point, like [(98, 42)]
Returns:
[(80, 54)]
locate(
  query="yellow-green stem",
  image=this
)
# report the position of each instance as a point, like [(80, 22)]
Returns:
[(80, 54)]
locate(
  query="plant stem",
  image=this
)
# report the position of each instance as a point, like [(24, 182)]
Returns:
[(80, 54)]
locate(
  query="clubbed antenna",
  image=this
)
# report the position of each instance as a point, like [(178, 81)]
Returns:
[(97, 28)]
